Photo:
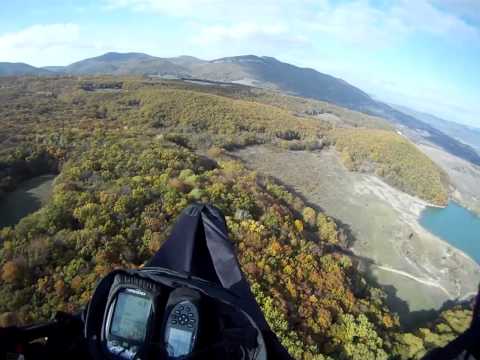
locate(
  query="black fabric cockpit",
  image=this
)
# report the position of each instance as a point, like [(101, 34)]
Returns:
[(199, 246)]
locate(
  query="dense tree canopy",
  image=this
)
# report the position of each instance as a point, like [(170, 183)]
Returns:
[(395, 159), (131, 154)]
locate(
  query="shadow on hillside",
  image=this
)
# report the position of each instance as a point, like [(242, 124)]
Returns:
[(22, 201), (408, 319), (345, 228), (411, 320)]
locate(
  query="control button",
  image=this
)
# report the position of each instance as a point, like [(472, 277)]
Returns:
[(177, 312), (174, 322), (190, 325), (180, 307), (190, 314), (187, 308), (192, 321)]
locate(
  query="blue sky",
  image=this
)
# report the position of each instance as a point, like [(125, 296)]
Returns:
[(421, 53)]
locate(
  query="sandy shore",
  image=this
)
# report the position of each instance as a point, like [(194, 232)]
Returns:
[(465, 176), (409, 209), (420, 270)]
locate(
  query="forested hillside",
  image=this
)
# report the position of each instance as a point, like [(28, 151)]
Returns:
[(328, 112), (395, 159), (130, 154), (264, 72)]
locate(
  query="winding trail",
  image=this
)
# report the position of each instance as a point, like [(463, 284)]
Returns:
[(420, 280)]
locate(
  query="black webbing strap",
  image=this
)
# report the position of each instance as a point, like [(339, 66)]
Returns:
[(468, 342), (454, 348), (233, 340)]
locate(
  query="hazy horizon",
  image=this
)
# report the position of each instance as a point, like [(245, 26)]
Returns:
[(422, 55)]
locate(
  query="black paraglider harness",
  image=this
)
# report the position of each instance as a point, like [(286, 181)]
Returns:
[(466, 344)]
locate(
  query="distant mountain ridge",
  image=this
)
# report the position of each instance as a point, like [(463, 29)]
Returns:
[(126, 64), (265, 72), (272, 73), (467, 134), (21, 69), (114, 63)]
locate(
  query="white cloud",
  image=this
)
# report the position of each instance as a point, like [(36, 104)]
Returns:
[(423, 16), (46, 44), (180, 8), (40, 37), (220, 11), (468, 9), (360, 23), (356, 22), (222, 27), (252, 35), (243, 31)]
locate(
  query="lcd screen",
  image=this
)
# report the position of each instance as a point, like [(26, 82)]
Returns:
[(131, 316), (179, 342)]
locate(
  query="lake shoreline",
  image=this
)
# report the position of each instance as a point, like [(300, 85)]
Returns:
[(454, 216), (411, 209), (464, 176)]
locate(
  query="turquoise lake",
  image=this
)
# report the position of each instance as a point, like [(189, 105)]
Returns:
[(458, 226)]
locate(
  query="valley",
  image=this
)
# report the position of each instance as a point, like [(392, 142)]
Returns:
[(260, 71), (424, 270), (300, 181)]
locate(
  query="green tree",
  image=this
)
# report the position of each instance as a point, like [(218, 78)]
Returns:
[(356, 338)]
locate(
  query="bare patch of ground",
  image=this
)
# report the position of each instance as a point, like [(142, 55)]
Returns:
[(423, 270)]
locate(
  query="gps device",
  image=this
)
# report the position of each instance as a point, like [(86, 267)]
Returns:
[(182, 322), (131, 317)]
